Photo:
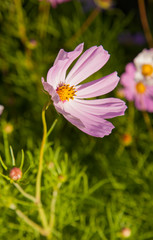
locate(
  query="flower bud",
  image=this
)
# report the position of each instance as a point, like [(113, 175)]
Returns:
[(126, 139), (126, 232), (50, 165), (120, 93), (8, 128), (15, 173), (62, 178), (32, 44)]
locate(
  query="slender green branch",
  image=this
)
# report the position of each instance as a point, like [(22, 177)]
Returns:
[(3, 164), (31, 223), (38, 181), (84, 26), (52, 127), (12, 156), (42, 216), (52, 210), (26, 195), (6, 177), (40, 168), (22, 159)]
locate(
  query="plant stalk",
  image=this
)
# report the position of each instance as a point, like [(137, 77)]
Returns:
[(145, 24), (39, 174)]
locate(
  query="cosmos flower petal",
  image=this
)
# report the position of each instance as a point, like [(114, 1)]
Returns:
[(106, 108), (127, 77), (62, 55), (127, 80), (48, 88), (90, 62), (129, 93), (144, 102), (94, 130), (56, 2), (98, 87), (91, 124), (149, 103), (57, 73), (139, 102), (145, 54), (150, 90)]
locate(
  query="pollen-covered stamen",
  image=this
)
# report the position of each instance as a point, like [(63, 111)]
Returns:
[(140, 88), (66, 92), (147, 70)]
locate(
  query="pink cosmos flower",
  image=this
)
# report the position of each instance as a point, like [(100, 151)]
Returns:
[(56, 2), (70, 97), (137, 84), (1, 109)]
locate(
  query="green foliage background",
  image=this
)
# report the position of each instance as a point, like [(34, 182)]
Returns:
[(105, 185)]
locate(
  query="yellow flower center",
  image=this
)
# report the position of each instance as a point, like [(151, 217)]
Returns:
[(140, 87), (147, 70), (66, 92)]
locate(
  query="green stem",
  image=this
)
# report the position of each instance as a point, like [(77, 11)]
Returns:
[(3, 164), (31, 223), (26, 195), (40, 168), (51, 128), (84, 26), (52, 210), (42, 216), (38, 181)]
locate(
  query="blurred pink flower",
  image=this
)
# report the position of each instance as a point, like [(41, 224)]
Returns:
[(104, 4), (1, 109), (69, 97), (101, 4), (56, 2), (138, 91)]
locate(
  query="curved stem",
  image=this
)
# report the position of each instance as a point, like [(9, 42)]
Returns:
[(31, 223), (144, 21), (52, 210), (85, 26), (26, 195), (38, 181), (40, 168)]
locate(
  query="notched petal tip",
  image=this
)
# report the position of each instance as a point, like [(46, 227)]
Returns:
[(80, 47), (104, 52)]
